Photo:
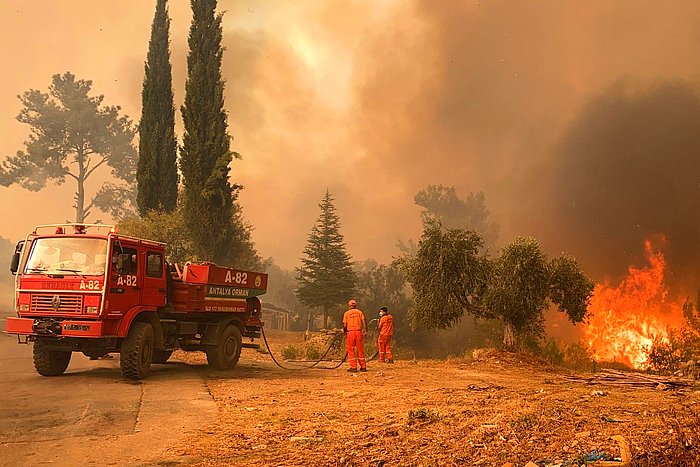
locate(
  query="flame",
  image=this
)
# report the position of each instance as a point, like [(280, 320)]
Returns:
[(625, 318)]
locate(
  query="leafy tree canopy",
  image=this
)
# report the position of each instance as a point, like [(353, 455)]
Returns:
[(519, 286), (441, 204), (72, 135), (448, 276), (170, 228), (165, 227)]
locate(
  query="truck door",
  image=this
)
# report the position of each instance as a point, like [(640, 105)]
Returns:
[(125, 287), (154, 283)]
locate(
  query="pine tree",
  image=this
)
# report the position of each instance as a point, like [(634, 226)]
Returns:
[(326, 278), (157, 176), (205, 154), (73, 135)]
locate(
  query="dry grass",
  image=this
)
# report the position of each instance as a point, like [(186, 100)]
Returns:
[(486, 411)]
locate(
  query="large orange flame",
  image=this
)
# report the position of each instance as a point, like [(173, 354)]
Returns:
[(626, 318)]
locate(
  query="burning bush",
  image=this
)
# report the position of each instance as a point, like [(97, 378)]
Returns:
[(680, 349)]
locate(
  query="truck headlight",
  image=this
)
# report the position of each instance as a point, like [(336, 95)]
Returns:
[(24, 307), (91, 309)]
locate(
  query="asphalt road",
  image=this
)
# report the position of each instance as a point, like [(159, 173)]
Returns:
[(91, 415)]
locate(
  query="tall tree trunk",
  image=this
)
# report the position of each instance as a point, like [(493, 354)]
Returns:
[(508, 335), (325, 317), (80, 193), (80, 198)]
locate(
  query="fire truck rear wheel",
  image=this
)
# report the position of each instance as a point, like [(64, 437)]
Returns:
[(50, 362), (225, 355), (161, 356), (137, 351)]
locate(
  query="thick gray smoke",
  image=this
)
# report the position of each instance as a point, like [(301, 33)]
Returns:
[(628, 169)]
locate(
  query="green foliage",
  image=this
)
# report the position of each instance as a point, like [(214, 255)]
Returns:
[(72, 135), (313, 353), (551, 353), (166, 227), (170, 228), (157, 176), (570, 289), (326, 278), (525, 281), (442, 205), (239, 246), (208, 196), (519, 286), (383, 285), (290, 352), (448, 277)]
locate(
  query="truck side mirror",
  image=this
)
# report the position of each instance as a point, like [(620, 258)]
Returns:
[(123, 263), (14, 264)]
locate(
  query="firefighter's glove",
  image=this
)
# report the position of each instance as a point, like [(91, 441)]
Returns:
[(345, 329), (364, 333)]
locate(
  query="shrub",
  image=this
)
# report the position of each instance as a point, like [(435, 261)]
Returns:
[(422, 415), (290, 352)]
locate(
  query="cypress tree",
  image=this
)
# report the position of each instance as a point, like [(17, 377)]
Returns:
[(205, 154), (157, 176), (326, 278)]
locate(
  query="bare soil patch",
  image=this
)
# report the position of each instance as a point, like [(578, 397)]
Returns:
[(487, 411)]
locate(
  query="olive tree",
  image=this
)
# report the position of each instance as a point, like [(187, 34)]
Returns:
[(450, 278)]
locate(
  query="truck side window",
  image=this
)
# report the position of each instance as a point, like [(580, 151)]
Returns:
[(154, 264), (134, 259)]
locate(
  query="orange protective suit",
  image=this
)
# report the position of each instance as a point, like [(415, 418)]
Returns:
[(355, 325), (386, 332)]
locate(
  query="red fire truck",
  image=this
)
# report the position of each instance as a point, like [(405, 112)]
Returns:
[(86, 288)]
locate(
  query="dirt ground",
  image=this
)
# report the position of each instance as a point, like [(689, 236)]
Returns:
[(487, 411)]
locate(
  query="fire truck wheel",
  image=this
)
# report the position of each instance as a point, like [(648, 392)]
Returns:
[(161, 356), (50, 362), (137, 351), (225, 355)]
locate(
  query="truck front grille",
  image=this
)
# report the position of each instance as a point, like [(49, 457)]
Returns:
[(57, 303)]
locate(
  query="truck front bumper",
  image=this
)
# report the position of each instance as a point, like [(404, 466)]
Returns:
[(53, 327)]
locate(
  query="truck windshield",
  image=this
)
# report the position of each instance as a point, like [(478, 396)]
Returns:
[(67, 256)]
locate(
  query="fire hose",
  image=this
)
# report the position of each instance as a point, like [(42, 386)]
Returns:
[(314, 364)]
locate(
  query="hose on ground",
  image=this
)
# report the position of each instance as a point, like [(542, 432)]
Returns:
[(330, 346)]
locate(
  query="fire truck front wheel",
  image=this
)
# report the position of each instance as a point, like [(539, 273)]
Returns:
[(225, 354), (50, 362), (137, 351)]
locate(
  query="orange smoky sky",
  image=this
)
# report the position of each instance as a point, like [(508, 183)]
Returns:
[(371, 100)]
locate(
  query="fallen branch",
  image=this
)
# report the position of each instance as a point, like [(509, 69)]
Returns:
[(637, 380)]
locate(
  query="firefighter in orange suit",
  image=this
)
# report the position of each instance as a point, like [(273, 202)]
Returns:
[(355, 329), (386, 332)]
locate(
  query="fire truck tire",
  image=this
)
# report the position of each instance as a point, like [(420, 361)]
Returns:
[(137, 351), (225, 354), (161, 356), (50, 362)]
